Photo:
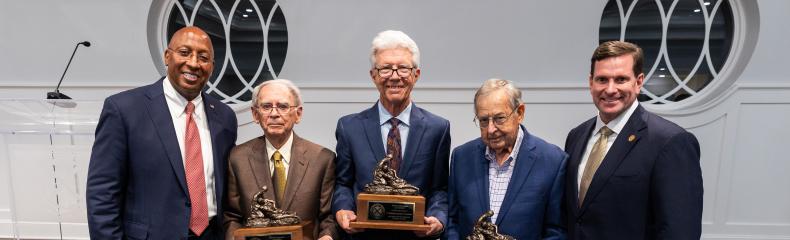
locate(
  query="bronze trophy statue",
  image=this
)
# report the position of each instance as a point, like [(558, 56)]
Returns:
[(266, 221), (389, 202), (264, 213), (486, 230), (387, 182)]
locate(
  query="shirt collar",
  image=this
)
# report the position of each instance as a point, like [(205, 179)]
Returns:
[(285, 150), (384, 115), (617, 124), (180, 101), (491, 156)]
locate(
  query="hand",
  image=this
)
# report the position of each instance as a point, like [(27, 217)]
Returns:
[(344, 219), (325, 237), (436, 227)]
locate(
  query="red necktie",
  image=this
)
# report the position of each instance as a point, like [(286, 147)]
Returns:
[(196, 182), (393, 144)]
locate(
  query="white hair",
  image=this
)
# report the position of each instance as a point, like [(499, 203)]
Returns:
[(392, 39), (494, 84), (295, 93)]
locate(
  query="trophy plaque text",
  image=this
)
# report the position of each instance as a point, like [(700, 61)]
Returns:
[(293, 232), (267, 222), (390, 203)]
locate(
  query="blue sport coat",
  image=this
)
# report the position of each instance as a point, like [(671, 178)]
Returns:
[(532, 208), (425, 161), (136, 185)]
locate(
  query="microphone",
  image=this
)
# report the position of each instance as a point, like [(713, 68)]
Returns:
[(56, 94)]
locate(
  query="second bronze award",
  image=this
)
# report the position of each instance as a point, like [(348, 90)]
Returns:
[(389, 202), (267, 222)]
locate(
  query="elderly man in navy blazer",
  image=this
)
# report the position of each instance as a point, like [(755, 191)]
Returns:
[(418, 140), (507, 170), (632, 174), (157, 170)]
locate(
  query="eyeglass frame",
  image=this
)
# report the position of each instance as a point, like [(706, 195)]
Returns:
[(280, 108), (394, 69), (200, 61), (479, 123)]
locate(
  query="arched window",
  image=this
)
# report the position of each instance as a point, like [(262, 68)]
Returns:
[(250, 41), (686, 43)]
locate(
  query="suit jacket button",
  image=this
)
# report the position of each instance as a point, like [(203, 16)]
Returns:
[(188, 204)]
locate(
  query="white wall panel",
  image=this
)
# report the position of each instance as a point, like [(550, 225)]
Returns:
[(710, 162), (759, 193)]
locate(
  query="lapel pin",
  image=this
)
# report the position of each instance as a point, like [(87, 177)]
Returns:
[(631, 138), (211, 106)]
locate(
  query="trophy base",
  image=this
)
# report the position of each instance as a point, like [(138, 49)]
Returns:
[(395, 212), (391, 226), (294, 232)]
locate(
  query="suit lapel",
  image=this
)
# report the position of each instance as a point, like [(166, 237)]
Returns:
[(259, 166), (523, 165), (163, 122), (215, 126), (416, 126), (373, 132), (296, 170), (616, 154), (480, 166), (578, 152)]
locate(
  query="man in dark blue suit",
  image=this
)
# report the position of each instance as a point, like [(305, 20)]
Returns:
[(507, 170), (632, 174), (157, 169), (418, 140)]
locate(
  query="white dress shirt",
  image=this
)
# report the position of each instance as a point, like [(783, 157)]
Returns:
[(616, 125), (285, 151), (177, 105)]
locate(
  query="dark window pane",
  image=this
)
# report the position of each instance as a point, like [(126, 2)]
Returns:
[(680, 49), (244, 39)]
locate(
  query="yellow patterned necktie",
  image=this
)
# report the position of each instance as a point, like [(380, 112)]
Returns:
[(278, 177), (593, 162)]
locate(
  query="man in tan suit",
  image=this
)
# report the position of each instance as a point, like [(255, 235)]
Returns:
[(299, 174)]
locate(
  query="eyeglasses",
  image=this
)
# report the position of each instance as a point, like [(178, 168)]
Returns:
[(386, 72), (267, 108), (203, 58), (498, 120)]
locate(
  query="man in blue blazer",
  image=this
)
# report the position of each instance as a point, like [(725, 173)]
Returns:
[(507, 170), (632, 174), (157, 169), (418, 140)]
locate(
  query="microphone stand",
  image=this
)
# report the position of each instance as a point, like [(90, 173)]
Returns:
[(56, 94)]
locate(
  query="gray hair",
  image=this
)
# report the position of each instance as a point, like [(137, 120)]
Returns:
[(495, 84), (295, 93), (392, 39)]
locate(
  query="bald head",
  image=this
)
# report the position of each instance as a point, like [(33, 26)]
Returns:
[(191, 32), (189, 58)]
